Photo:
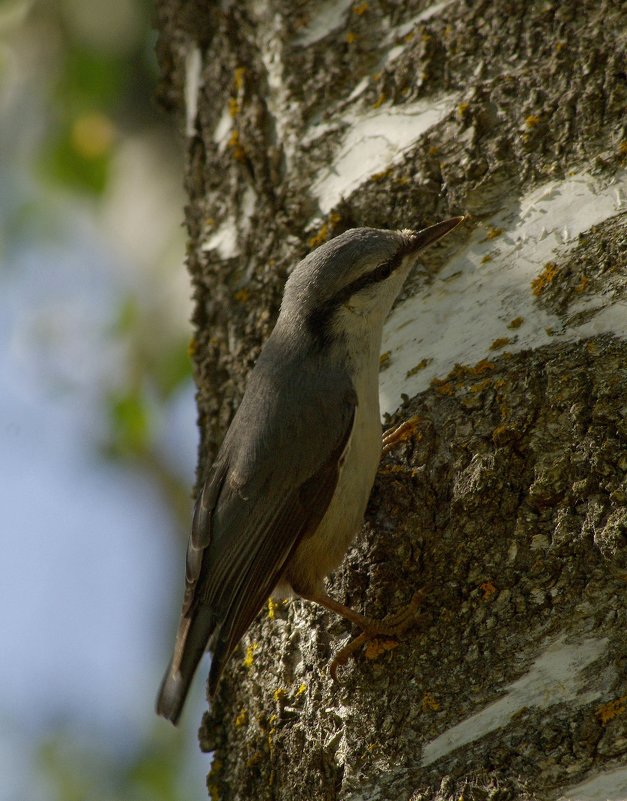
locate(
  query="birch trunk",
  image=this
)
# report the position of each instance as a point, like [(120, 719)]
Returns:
[(303, 119)]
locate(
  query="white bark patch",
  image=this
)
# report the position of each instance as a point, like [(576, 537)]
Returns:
[(223, 240), (488, 284), (555, 677), (193, 80), (328, 17), (372, 143), (609, 786), (223, 129)]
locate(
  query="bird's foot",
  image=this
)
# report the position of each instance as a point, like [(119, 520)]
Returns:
[(398, 434), (381, 635)]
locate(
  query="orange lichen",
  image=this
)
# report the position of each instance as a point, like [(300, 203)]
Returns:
[(486, 259), (532, 120), (611, 710), (242, 295), (420, 366), (500, 342), (488, 589), (492, 233), (516, 322), (323, 232), (351, 37), (582, 285), (546, 277), (360, 9), (429, 703), (481, 385), (237, 150)]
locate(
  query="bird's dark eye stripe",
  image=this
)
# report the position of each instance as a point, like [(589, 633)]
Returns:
[(318, 321), (380, 273)]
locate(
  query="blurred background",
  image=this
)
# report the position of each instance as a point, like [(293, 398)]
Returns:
[(97, 417)]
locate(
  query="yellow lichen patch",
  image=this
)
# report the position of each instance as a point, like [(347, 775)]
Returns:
[(377, 103), (237, 150), (481, 367), (592, 348), (488, 589), (233, 106), (238, 77), (462, 108), (429, 703), (255, 759), (242, 295), (302, 688), (321, 236), (242, 718), (433, 150), (611, 710), (481, 385), (272, 605), (351, 37), (532, 120), (560, 46), (425, 37), (384, 360), (500, 342), (516, 322), (445, 388), (622, 148), (192, 347), (250, 655), (420, 366), (360, 9), (546, 277), (492, 233), (379, 176), (279, 694), (375, 648), (486, 259), (213, 787), (503, 434), (582, 285)]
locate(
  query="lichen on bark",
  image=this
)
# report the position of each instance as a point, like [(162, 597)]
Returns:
[(510, 497)]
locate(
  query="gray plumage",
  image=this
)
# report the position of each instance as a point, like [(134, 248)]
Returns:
[(290, 484)]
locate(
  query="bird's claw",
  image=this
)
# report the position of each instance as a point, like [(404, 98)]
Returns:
[(392, 626)]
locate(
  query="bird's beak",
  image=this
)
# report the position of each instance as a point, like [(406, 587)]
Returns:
[(420, 239)]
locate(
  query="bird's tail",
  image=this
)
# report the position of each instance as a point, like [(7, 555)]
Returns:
[(191, 641)]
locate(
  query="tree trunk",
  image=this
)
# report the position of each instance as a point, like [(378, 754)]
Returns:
[(509, 498)]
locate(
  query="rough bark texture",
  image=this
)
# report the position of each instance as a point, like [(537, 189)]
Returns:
[(509, 499)]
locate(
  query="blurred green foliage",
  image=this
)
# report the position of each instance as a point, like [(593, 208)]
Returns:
[(75, 770)]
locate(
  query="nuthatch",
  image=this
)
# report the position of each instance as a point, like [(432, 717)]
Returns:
[(289, 487)]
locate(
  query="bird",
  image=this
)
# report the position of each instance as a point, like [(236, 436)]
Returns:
[(288, 489)]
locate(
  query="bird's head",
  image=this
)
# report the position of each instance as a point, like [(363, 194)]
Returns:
[(350, 283)]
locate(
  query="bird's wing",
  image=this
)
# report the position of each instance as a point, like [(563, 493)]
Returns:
[(271, 484)]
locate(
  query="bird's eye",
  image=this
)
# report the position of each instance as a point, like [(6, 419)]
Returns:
[(384, 271)]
